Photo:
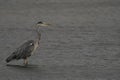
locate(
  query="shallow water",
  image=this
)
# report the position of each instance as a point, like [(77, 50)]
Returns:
[(82, 43)]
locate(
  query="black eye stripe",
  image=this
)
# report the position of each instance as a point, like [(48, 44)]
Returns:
[(40, 22)]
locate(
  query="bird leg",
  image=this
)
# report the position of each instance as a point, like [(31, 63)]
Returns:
[(25, 61)]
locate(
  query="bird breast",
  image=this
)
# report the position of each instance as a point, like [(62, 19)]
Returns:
[(35, 47)]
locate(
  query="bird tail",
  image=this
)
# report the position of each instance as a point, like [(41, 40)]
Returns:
[(10, 58)]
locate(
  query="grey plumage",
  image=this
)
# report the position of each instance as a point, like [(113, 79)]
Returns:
[(22, 52), (28, 48)]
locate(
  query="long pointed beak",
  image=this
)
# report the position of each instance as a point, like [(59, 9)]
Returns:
[(45, 24)]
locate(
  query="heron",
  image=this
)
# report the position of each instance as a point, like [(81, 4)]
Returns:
[(28, 48)]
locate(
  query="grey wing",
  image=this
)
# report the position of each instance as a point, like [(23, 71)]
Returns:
[(25, 50)]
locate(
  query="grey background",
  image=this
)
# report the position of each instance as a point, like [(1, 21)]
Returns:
[(83, 42)]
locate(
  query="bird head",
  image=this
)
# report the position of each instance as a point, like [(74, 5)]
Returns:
[(42, 24)]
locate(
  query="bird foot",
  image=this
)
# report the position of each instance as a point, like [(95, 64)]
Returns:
[(25, 62)]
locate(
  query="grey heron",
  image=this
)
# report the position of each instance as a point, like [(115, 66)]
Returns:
[(28, 48)]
